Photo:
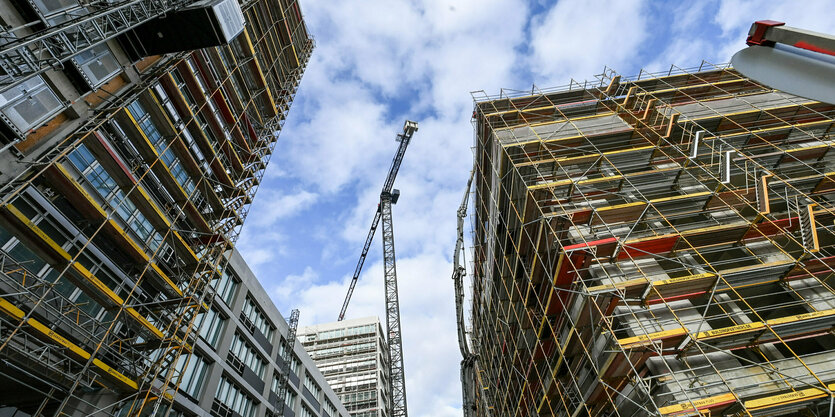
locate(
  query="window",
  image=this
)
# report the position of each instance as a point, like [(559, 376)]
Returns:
[(247, 355), (97, 64), (95, 175), (305, 412), (290, 399), (178, 122), (312, 386), (253, 313), (295, 364), (226, 287), (29, 103), (211, 326), (233, 397), (166, 154), (193, 373), (329, 408)]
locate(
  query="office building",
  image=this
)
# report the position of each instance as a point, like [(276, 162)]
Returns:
[(656, 245), (353, 356), (246, 324), (133, 137)]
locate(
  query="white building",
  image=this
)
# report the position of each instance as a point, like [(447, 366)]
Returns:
[(353, 357)]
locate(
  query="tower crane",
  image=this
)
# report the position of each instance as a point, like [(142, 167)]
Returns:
[(389, 196)]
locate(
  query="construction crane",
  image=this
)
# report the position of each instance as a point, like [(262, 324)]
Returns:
[(287, 357), (468, 376), (797, 61), (389, 196)]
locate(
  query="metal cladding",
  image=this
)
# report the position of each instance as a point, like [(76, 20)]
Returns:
[(125, 183), (657, 245)]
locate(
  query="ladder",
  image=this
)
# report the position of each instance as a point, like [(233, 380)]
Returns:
[(287, 357)]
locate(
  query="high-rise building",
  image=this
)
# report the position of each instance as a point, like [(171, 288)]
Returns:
[(133, 137), (353, 356), (657, 245)]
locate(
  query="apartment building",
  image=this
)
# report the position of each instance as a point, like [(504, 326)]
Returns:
[(353, 356)]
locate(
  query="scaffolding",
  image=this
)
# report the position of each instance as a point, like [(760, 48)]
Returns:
[(128, 358), (654, 245)]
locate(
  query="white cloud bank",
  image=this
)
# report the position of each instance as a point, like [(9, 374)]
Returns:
[(379, 62)]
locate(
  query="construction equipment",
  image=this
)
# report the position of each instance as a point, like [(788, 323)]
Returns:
[(388, 196), (468, 375), (287, 356), (793, 60)]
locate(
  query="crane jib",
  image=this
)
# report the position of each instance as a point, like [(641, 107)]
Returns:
[(404, 139)]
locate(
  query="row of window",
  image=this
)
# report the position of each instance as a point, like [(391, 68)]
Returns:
[(233, 397), (355, 397), (350, 331), (226, 286), (100, 180), (211, 325), (352, 366), (242, 350), (312, 386), (254, 314), (192, 369), (359, 347), (162, 145)]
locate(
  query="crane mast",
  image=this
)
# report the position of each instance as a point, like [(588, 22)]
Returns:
[(397, 383), (389, 196)]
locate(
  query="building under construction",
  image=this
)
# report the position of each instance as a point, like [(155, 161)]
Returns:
[(133, 137), (657, 245), (353, 356)]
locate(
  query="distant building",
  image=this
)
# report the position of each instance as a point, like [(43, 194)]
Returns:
[(353, 357), (660, 245)]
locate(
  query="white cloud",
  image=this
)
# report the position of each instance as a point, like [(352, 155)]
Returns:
[(281, 205), (577, 38)]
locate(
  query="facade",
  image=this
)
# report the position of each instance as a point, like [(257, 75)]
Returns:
[(353, 356), (245, 323), (659, 245), (128, 160)]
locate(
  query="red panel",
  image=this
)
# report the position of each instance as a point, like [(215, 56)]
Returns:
[(663, 244), (589, 244), (675, 297), (224, 108), (209, 239), (113, 155), (770, 228), (250, 129)]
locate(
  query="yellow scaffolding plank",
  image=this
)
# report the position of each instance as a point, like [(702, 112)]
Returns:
[(72, 348), (82, 272), (700, 404)]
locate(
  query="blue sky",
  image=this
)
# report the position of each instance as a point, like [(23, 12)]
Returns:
[(379, 62)]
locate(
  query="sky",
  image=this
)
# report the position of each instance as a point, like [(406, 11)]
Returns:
[(378, 63)]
